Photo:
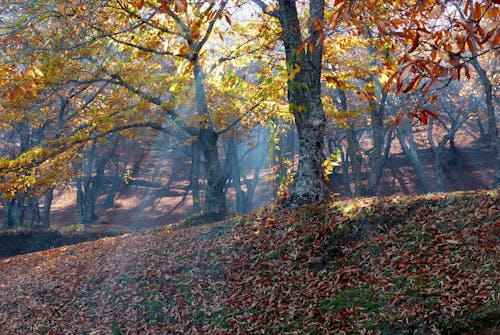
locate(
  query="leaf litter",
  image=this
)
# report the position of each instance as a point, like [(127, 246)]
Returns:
[(422, 264)]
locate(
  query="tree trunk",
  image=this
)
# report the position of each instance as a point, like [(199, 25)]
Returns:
[(379, 154), (345, 172), (85, 204), (453, 160), (194, 178), (85, 193), (405, 137), (252, 184), (438, 168), (47, 205), (33, 218), (116, 184), (215, 200), (304, 98), (492, 122), (352, 153), (235, 173), (14, 212), (15, 208)]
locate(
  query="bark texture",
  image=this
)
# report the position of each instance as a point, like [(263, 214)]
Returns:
[(215, 199), (304, 97), (492, 122)]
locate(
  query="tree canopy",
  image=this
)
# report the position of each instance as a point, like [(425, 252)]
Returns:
[(73, 73)]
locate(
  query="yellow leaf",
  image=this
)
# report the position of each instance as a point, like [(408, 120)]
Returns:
[(295, 70)]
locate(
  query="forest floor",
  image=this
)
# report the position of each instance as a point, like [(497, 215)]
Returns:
[(423, 264)]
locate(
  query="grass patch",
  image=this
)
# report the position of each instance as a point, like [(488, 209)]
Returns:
[(364, 297)]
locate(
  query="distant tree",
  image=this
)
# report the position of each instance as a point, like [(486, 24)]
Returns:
[(454, 114)]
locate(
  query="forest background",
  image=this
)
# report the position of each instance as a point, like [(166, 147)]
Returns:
[(135, 113)]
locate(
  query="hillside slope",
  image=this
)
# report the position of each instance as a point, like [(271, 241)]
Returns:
[(426, 264)]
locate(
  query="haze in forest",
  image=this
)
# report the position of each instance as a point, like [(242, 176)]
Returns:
[(123, 115)]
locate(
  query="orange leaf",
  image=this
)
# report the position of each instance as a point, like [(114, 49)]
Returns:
[(301, 47), (431, 113), (476, 12), (140, 4), (480, 30), (413, 85), (488, 35), (496, 41), (398, 120), (311, 47), (381, 28), (466, 8), (389, 81), (470, 45), (228, 19), (454, 59), (318, 24), (335, 22), (433, 54), (467, 27), (164, 7), (467, 73), (415, 43), (424, 118)]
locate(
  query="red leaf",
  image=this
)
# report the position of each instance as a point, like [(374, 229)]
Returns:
[(431, 113), (424, 118), (414, 83), (454, 59), (301, 47), (488, 35), (480, 30), (470, 45), (398, 120), (415, 43), (466, 8), (467, 73), (496, 41), (476, 12), (311, 47)]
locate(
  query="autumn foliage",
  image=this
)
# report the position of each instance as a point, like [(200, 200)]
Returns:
[(372, 265)]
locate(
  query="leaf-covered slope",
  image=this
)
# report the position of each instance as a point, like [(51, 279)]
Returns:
[(378, 265)]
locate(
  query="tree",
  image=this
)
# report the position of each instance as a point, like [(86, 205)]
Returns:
[(304, 55), (164, 42), (451, 36), (452, 118)]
